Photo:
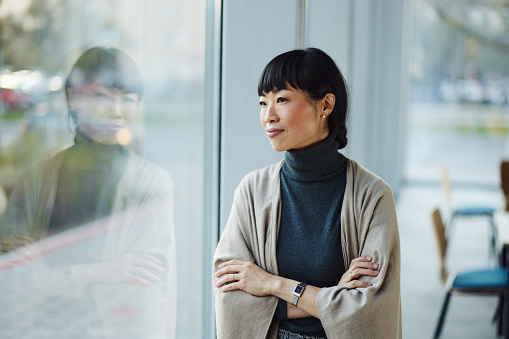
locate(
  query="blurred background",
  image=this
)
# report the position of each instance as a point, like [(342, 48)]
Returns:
[(429, 83)]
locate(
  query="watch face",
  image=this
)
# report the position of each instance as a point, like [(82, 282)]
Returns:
[(298, 289)]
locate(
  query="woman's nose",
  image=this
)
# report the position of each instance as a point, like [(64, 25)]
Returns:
[(118, 108), (271, 114)]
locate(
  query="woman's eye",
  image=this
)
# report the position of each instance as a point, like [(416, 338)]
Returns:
[(262, 103), (129, 100), (280, 100), (102, 96)]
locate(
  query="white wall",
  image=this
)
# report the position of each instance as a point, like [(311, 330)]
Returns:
[(365, 40)]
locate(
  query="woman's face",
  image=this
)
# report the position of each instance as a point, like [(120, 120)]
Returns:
[(105, 115), (292, 120)]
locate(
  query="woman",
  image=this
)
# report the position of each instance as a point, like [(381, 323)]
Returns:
[(117, 279), (311, 247)]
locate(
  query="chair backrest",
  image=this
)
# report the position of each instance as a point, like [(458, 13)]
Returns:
[(446, 185), (504, 180), (441, 239), (3, 201)]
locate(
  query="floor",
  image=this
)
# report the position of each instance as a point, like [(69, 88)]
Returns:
[(422, 291)]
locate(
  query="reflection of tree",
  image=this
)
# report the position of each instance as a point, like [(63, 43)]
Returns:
[(456, 39), (455, 17), (30, 34)]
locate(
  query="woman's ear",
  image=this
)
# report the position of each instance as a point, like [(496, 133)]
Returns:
[(328, 102)]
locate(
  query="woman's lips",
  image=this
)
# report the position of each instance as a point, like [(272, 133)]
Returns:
[(272, 132), (114, 127)]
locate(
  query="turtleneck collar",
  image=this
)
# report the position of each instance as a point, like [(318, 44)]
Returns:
[(91, 156), (315, 161)]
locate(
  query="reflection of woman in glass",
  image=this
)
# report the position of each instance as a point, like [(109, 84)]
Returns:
[(311, 247), (121, 282)]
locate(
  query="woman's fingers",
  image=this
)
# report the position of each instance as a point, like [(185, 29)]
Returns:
[(143, 268), (228, 269), (231, 262), (358, 264), (362, 266), (24, 239), (363, 263), (11, 243), (365, 258), (230, 287), (144, 276), (226, 277), (359, 267), (145, 256), (148, 263), (358, 272)]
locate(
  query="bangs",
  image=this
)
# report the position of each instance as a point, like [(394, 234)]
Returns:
[(284, 71), (110, 68), (119, 78)]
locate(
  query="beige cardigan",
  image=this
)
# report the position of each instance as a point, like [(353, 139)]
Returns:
[(368, 227)]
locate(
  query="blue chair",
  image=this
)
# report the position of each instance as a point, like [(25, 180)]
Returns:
[(468, 211), (478, 282)]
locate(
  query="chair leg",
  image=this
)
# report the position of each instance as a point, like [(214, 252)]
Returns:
[(445, 304), (494, 236), (498, 316)]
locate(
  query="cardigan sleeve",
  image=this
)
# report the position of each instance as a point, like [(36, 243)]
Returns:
[(14, 220), (240, 240), (372, 312), (22, 216)]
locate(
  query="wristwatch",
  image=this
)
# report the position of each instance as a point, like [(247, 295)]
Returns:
[(297, 292)]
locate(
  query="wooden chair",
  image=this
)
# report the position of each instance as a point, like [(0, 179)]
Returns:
[(504, 181), (479, 282), (467, 211), (3, 201)]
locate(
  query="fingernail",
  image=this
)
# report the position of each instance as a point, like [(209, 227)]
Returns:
[(368, 258), (370, 284), (375, 266)]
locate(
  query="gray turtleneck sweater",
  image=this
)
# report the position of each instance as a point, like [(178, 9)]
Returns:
[(313, 182), (87, 183)]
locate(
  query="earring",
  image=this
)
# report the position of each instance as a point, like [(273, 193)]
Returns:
[(324, 116)]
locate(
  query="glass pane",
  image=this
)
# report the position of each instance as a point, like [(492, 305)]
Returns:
[(125, 198), (460, 87)]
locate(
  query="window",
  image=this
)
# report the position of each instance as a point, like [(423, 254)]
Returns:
[(41, 40)]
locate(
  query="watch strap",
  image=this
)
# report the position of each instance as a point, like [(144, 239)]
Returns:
[(297, 292)]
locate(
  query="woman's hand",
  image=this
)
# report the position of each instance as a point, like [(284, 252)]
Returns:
[(22, 247), (14, 242), (137, 268), (244, 275), (361, 266)]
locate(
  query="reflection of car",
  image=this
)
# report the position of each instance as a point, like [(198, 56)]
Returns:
[(14, 98), (470, 90), (447, 90), (496, 92)]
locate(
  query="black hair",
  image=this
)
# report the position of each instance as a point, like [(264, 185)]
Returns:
[(109, 67), (314, 72)]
